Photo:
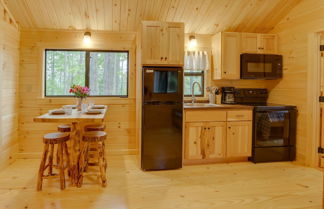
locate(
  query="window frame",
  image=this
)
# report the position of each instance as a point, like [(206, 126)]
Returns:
[(87, 70), (200, 73)]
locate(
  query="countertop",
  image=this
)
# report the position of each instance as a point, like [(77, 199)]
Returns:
[(215, 106)]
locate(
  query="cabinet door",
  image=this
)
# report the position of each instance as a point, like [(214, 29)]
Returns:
[(152, 36), (231, 55), (239, 139), (193, 139), (268, 43), (175, 44), (215, 140), (249, 43)]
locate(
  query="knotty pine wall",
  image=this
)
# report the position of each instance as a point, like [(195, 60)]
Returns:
[(9, 69), (121, 112), (294, 30)]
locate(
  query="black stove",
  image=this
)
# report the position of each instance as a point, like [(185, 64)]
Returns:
[(274, 126)]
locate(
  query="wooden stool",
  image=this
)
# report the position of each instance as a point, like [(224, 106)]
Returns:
[(64, 128), (50, 140), (92, 146), (98, 138)]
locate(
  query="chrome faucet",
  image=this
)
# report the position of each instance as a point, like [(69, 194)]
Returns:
[(193, 98)]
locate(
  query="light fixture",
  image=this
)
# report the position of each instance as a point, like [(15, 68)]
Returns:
[(87, 38), (192, 41)]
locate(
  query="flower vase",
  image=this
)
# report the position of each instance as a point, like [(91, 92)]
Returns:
[(79, 104)]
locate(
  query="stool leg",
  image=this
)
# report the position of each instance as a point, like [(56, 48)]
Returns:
[(81, 163), (42, 168), (102, 164), (86, 158), (61, 165), (67, 154), (57, 157), (50, 160), (104, 154)]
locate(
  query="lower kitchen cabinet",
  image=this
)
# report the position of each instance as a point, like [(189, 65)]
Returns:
[(239, 135), (227, 138), (205, 140), (193, 135)]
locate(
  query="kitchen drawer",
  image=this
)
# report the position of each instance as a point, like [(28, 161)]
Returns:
[(205, 115), (239, 115)]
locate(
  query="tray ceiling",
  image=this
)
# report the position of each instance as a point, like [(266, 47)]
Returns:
[(200, 16)]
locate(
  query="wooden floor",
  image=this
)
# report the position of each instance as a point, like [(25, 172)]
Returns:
[(221, 186)]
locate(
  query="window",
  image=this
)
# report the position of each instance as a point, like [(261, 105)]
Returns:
[(105, 72), (189, 78)]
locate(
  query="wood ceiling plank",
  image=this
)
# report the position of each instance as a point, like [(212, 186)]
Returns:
[(148, 11), (123, 14), (233, 9), (140, 12), (214, 16), (72, 21), (156, 9), (92, 12), (193, 15), (180, 9), (172, 10), (116, 15), (108, 14), (277, 14), (164, 10), (200, 16), (247, 15), (196, 19), (131, 15)]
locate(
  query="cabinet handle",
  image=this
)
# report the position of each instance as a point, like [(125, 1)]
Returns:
[(229, 127), (224, 72), (195, 142), (208, 128), (161, 58), (165, 58)]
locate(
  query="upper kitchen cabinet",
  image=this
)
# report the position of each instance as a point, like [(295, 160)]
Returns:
[(226, 55), (258, 43), (162, 43)]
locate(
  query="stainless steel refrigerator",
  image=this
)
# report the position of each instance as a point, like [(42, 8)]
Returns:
[(161, 144)]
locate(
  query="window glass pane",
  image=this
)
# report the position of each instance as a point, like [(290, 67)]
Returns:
[(188, 81), (63, 68), (108, 73)]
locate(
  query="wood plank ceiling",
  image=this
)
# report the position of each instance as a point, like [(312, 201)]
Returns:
[(200, 16)]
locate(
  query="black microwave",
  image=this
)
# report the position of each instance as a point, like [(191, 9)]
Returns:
[(261, 66)]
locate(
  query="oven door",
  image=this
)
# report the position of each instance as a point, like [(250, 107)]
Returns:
[(272, 128)]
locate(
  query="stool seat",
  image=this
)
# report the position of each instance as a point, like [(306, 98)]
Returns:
[(64, 128), (55, 138), (94, 136), (94, 127)]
